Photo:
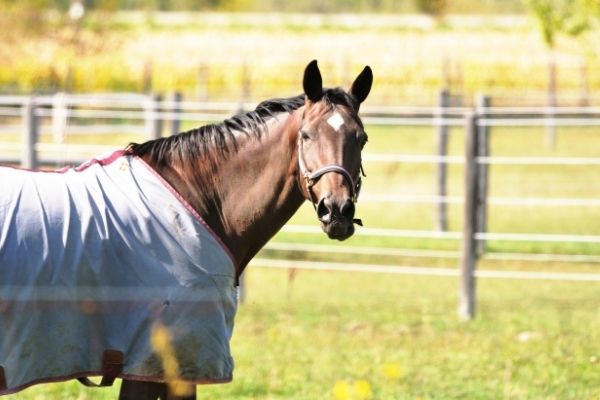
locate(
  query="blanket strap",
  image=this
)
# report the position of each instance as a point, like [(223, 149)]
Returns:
[(112, 366), (3, 385)]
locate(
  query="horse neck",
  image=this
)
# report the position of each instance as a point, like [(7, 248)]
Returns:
[(248, 195)]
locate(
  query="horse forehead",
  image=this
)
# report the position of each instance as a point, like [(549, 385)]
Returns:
[(342, 121), (335, 116), (316, 112)]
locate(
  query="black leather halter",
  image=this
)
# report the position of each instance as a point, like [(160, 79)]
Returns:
[(312, 177)]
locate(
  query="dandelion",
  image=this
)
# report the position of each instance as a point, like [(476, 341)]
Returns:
[(341, 390), (362, 389), (392, 371)]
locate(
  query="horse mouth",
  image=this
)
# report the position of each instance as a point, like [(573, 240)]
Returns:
[(338, 230)]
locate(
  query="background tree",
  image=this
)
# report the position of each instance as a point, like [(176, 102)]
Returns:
[(26, 17), (434, 8), (556, 17)]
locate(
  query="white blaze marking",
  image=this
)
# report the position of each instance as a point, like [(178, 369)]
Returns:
[(336, 121)]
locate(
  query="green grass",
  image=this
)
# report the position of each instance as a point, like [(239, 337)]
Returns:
[(295, 339), (358, 323)]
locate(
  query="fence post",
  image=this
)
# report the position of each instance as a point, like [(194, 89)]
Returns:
[(551, 104), (584, 84), (60, 117), (466, 308), (29, 158), (246, 86), (175, 113), (147, 77), (154, 123), (483, 143), (202, 86), (442, 147)]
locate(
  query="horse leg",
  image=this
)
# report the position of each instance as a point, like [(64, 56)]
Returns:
[(137, 390), (192, 396)]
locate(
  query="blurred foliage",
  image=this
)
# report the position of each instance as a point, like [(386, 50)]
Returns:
[(24, 17), (435, 8), (431, 7), (44, 51), (571, 17)]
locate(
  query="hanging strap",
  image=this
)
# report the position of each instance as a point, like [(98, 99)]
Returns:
[(112, 366), (3, 385)]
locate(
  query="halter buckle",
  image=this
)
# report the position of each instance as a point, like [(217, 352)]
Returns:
[(310, 182)]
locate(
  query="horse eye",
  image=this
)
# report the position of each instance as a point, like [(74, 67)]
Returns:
[(304, 135)]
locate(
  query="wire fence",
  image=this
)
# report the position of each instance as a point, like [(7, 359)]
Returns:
[(24, 119)]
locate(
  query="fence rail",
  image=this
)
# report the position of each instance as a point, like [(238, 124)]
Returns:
[(151, 116), (413, 253), (425, 271)]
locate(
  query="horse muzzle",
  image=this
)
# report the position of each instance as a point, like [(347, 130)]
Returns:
[(336, 217)]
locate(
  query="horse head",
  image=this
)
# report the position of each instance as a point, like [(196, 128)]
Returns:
[(330, 142)]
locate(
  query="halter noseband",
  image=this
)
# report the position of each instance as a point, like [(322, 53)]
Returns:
[(310, 178)]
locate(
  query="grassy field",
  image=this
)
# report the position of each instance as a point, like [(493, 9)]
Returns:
[(215, 55), (328, 335)]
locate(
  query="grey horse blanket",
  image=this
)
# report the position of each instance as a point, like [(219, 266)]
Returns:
[(92, 260)]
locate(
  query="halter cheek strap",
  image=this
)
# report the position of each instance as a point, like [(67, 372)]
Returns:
[(310, 178)]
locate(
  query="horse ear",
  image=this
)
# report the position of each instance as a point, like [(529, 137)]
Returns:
[(362, 85), (313, 83)]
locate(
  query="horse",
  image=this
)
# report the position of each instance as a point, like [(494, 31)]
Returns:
[(146, 246)]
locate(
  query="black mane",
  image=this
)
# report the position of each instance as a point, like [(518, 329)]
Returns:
[(221, 135)]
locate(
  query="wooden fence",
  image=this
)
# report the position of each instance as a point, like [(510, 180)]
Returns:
[(152, 116)]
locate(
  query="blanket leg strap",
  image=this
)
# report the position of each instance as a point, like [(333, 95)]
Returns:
[(112, 366)]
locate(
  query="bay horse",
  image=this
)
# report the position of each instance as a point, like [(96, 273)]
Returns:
[(189, 212)]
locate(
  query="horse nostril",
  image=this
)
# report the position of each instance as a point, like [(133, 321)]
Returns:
[(324, 210), (347, 209), (329, 211)]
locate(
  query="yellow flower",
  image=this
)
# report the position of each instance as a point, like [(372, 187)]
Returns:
[(362, 389), (392, 371), (341, 390), (160, 340)]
